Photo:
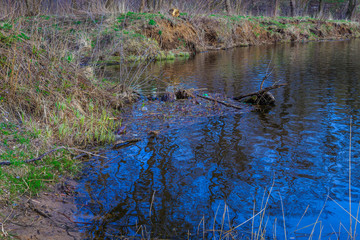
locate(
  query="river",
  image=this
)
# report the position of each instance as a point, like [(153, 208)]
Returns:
[(286, 167)]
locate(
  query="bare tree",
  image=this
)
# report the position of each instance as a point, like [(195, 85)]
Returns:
[(228, 7), (238, 7), (320, 12), (350, 9), (109, 4), (150, 5), (303, 6), (142, 6), (213, 4), (33, 7), (74, 4), (158, 5), (292, 8), (276, 8)]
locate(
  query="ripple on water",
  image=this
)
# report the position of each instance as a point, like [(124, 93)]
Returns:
[(221, 163)]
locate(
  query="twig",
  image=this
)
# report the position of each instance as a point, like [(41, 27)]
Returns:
[(49, 152), (282, 209), (3, 230), (152, 201), (86, 152), (260, 91), (218, 101), (2, 223), (267, 74)]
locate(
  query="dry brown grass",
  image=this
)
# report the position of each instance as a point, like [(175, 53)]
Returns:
[(42, 86)]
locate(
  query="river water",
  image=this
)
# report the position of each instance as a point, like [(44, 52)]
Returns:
[(283, 168)]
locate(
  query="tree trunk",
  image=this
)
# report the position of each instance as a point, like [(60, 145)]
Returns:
[(74, 4), (228, 7), (150, 4), (213, 4), (28, 11), (350, 10), (142, 6), (292, 8), (158, 5), (109, 4), (320, 9), (33, 7), (276, 8), (238, 7), (39, 3), (303, 6)]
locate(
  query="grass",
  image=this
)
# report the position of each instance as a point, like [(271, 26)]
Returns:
[(18, 144), (60, 96)]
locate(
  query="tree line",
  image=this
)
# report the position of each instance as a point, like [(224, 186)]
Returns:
[(337, 9)]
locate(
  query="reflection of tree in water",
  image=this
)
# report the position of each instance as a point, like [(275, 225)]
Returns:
[(188, 183)]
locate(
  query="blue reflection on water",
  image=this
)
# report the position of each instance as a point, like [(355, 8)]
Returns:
[(219, 172)]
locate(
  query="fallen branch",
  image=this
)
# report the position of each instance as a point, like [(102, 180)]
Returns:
[(260, 92), (86, 152), (218, 101), (49, 152)]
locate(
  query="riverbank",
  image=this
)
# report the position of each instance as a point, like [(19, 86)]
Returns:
[(128, 37), (52, 97)]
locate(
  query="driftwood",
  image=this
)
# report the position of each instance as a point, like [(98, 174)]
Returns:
[(218, 101), (260, 92), (51, 151)]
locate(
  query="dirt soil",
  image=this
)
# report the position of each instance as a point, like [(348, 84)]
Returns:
[(47, 216)]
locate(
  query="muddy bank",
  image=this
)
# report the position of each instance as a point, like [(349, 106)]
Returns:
[(47, 216)]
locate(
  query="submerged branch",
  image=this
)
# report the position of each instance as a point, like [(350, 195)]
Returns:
[(260, 92), (218, 101)]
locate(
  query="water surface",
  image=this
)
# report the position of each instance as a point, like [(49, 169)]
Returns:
[(218, 171)]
